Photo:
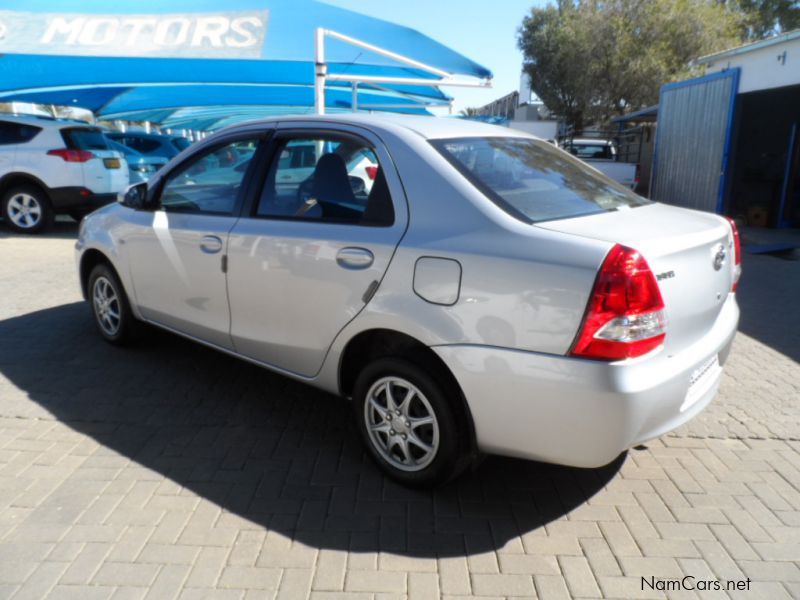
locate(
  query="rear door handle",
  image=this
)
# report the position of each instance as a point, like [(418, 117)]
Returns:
[(210, 244), (355, 258)]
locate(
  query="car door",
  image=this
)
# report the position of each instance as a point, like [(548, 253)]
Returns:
[(177, 253), (305, 259)]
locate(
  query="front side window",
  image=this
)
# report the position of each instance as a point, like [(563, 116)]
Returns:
[(326, 178), (532, 180), (211, 183)]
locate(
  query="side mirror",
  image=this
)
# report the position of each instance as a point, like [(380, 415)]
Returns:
[(134, 196)]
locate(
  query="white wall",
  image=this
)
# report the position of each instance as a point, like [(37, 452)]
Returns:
[(546, 130), (764, 68)]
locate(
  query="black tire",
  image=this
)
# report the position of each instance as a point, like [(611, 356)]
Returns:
[(127, 327), (27, 209), (435, 468)]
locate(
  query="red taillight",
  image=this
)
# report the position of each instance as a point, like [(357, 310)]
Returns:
[(737, 254), (625, 316), (74, 156), (372, 172)]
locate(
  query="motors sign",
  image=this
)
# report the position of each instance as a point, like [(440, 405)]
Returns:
[(237, 34)]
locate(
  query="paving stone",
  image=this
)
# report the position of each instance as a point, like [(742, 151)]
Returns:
[(250, 577), (423, 586), (484, 584), (375, 581), (204, 477), (579, 577), (122, 574)]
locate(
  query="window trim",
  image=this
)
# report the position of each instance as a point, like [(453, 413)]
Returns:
[(271, 155)]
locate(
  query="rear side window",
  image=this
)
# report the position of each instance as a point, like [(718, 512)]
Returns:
[(84, 139), (327, 179), (17, 133), (532, 180)]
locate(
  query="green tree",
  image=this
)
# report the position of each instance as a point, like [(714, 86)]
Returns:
[(589, 60), (763, 18)]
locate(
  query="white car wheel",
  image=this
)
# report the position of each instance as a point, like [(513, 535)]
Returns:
[(26, 209)]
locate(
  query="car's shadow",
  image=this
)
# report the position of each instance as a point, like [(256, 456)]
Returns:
[(767, 296), (271, 450)]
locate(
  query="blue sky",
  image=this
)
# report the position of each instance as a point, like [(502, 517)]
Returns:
[(483, 31)]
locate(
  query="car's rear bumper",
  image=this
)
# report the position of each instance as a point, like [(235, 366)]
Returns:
[(580, 412), (66, 199)]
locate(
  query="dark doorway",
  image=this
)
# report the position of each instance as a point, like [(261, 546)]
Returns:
[(764, 187)]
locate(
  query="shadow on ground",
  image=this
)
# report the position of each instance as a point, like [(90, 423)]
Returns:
[(274, 451), (767, 296)]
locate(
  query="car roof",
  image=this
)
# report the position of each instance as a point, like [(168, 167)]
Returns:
[(426, 127), (44, 121)]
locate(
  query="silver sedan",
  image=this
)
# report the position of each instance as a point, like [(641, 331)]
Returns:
[(474, 290)]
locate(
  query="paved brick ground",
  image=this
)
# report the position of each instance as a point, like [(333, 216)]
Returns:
[(171, 471)]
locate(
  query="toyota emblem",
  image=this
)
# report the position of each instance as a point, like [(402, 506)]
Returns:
[(719, 257)]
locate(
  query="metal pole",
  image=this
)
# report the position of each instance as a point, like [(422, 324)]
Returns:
[(388, 53), (409, 80), (320, 71)]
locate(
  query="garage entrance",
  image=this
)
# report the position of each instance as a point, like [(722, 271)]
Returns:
[(765, 178)]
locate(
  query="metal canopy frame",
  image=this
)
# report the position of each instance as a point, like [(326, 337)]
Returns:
[(321, 74)]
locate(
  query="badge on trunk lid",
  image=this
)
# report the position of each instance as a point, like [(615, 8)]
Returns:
[(719, 257)]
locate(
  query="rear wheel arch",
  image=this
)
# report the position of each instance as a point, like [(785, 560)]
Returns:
[(370, 345), (13, 180)]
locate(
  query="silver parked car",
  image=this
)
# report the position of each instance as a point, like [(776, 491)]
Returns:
[(489, 293)]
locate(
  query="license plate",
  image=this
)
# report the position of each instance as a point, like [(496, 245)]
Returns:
[(111, 163), (701, 379)]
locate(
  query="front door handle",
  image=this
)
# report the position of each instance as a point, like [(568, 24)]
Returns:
[(211, 244), (355, 258)]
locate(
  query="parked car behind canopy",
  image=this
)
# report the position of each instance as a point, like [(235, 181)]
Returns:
[(140, 167)]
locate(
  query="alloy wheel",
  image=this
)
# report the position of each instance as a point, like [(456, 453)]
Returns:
[(106, 306), (24, 210), (401, 424)]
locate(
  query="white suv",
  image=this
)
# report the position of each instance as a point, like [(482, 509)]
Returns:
[(50, 166)]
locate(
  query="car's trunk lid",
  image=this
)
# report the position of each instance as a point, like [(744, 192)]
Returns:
[(681, 246)]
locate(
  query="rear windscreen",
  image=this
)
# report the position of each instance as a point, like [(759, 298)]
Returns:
[(534, 181), (84, 139)]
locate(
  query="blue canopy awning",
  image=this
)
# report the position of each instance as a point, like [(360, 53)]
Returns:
[(147, 55)]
